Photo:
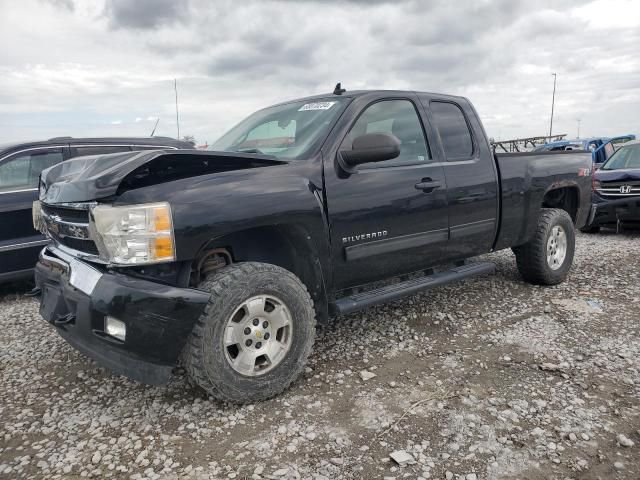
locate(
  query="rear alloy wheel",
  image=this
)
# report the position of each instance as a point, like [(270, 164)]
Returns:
[(547, 258), (255, 335), (556, 248)]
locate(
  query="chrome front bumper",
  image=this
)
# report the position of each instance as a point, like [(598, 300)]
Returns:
[(79, 274)]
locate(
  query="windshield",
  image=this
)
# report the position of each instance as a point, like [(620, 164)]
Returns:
[(287, 131), (624, 157)]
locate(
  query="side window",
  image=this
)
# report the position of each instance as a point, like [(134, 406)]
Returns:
[(98, 150), (396, 117), (21, 171), (453, 129)]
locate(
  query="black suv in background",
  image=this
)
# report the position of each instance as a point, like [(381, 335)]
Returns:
[(20, 167)]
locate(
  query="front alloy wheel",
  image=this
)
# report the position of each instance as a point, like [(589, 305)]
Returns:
[(255, 335), (258, 335)]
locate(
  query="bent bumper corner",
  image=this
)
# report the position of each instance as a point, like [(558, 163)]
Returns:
[(76, 297), (611, 212)]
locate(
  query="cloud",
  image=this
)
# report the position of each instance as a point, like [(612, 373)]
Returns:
[(117, 59), (65, 4), (145, 14)]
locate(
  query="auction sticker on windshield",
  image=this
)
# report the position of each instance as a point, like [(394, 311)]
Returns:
[(316, 106)]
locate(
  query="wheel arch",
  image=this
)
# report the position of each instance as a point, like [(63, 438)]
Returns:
[(289, 246), (565, 196)]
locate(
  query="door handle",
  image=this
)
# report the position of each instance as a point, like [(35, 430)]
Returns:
[(427, 185)]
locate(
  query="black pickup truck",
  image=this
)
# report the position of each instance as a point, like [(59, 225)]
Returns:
[(222, 261)]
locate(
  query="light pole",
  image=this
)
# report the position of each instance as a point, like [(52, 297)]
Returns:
[(579, 120), (553, 101), (175, 87)]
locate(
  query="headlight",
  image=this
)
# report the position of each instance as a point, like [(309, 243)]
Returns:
[(135, 234)]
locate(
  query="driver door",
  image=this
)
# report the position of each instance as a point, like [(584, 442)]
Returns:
[(388, 217)]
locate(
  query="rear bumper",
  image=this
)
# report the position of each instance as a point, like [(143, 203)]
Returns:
[(606, 212), (76, 298)]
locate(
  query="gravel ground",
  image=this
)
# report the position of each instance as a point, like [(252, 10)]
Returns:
[(491, 378)]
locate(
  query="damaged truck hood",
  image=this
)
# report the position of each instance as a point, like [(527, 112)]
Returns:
[(85, 179)]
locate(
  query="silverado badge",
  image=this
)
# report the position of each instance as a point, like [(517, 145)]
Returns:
[(364, 236)]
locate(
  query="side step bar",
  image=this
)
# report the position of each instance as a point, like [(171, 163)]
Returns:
[(359, 301)]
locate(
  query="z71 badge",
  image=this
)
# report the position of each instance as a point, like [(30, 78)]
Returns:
[(364, 236)]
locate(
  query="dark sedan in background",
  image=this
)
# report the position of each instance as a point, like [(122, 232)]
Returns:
[(616, 190), (20, 167)]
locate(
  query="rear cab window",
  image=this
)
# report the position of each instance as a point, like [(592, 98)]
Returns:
[(453, 129)]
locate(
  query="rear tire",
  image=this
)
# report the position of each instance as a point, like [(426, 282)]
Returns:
[(547, 258), (255, 335)]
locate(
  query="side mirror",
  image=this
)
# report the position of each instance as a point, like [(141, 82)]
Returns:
[(371, 147)]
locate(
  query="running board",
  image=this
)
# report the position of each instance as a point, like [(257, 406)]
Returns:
[(359, 301)]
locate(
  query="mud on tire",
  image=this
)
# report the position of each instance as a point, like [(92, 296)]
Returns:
[(532, 258), (207, 358)]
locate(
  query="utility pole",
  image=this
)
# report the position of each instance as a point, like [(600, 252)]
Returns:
[(175, 87), (579, 120), (553, 101)]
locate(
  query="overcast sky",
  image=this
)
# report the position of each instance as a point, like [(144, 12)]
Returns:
[(74, 67)]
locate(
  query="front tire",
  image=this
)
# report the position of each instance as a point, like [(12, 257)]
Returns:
[(255, 335), (547, 258)]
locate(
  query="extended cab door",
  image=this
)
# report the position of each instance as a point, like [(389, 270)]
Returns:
[(471, 173), (389, 217), (19, 174)]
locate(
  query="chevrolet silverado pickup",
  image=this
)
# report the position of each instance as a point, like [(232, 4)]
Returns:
[(222, 261)]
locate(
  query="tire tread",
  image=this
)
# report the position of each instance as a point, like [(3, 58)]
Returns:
[(193, 357), (531, 257)]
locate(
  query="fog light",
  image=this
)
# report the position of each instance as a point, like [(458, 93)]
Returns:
[(116, 328)]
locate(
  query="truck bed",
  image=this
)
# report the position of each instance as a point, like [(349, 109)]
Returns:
[(526, 177)]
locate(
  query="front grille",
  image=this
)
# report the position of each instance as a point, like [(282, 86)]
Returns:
[(69, 226), (66, 214), (85, 246), (619, 189)]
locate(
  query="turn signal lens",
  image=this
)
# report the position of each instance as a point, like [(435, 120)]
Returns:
[(163, 248), (162, 219)]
